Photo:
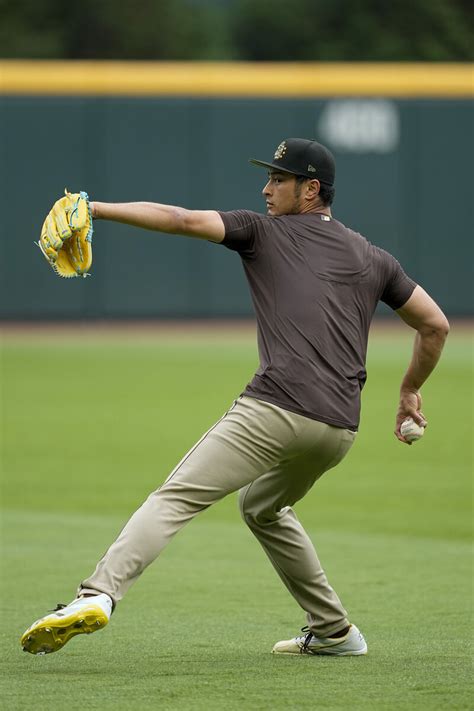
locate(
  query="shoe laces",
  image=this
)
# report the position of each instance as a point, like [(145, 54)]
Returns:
[(59, 606), (308, 635)]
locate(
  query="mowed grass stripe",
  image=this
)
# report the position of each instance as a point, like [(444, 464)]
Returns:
[(125, 416)]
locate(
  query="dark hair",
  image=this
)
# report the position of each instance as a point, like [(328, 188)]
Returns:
[(326, 192)]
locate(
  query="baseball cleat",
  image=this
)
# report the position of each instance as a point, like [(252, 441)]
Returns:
[(352, 644), (82, 616)]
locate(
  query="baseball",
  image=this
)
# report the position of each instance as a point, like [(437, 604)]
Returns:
[(410, 430)]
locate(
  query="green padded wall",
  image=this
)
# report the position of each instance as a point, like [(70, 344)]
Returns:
[(404, 181)]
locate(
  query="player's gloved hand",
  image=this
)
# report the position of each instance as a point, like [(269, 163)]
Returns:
[(66, 235)]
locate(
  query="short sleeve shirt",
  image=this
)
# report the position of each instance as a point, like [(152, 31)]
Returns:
[(315, 285)]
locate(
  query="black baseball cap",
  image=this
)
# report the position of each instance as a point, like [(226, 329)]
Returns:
[(303, 157)]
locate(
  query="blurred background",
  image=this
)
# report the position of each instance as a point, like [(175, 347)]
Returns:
[(167, 100)]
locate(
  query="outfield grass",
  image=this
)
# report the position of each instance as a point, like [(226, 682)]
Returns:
[(92, 424)]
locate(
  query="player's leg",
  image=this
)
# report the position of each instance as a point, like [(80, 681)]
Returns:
[(266, 507), (244, 444), (248, 441)]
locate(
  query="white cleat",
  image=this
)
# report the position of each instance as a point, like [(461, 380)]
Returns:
[(351, 645), (82, 616)]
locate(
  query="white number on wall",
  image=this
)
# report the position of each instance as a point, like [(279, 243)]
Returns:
[(361, 126)]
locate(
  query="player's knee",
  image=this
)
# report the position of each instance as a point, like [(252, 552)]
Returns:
[(251, 509), (242, 502)]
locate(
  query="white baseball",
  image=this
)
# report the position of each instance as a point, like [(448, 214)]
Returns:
[(410, 430)]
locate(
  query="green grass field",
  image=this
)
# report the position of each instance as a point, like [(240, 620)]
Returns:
[(91, 423)]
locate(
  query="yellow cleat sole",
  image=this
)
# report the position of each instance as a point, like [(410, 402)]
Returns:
[(50, 633)]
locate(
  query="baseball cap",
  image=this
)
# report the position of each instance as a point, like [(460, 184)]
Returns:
[(303, 157)]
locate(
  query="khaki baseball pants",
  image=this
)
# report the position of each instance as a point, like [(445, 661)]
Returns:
[(274, 457)]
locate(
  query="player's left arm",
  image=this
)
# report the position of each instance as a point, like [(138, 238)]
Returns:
[(204, 224), (423, 314)]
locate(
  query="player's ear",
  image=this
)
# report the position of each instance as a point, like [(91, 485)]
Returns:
[(312, 188)]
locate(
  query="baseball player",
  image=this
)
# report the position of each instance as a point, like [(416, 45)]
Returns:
[(315, 285)]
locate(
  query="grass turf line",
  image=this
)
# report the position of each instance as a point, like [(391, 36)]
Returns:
[(391, 525)]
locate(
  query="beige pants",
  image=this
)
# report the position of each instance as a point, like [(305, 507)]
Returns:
[(274, 457)]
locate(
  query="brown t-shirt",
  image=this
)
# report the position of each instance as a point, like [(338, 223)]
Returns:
[(315, 285)]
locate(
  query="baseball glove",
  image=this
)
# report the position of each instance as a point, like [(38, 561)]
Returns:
[(66, 236)]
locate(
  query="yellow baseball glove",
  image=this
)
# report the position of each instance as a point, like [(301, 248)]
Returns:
[(66, 236)]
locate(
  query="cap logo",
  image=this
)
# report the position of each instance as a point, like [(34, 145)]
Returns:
[(311, 168), (280, 151)]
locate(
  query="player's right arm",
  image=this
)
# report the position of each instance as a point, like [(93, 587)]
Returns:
[(204, 224), (432, 328)]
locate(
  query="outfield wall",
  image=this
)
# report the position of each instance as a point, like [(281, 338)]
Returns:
[(182, 134)]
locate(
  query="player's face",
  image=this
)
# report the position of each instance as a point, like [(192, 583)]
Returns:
[(281, 194)]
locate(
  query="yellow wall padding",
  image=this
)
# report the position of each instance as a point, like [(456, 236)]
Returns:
[(231, 79)]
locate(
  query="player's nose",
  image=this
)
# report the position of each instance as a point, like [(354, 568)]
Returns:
[(266, 190)]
